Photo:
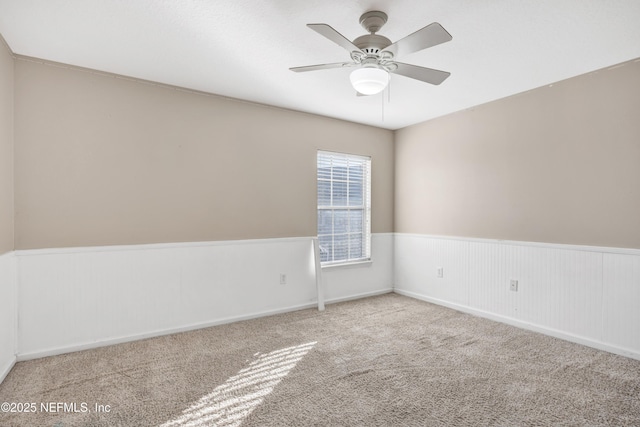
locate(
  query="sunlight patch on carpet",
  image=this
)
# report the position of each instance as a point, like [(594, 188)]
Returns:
[(231, 402)]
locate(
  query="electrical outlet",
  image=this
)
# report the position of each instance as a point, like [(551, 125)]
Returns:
[(283, 279), (513, 285), (440, 272)]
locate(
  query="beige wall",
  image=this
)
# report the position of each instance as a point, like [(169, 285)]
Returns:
[(6, 148), (103, 160), (557, 164)]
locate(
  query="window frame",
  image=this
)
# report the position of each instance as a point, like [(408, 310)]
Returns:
[(361, 177)]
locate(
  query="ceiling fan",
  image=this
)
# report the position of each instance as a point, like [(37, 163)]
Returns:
[(374, 55)]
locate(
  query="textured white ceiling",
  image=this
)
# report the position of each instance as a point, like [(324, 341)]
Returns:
[(244, 48)]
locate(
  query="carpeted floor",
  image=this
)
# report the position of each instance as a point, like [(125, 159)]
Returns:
[(382, 361)]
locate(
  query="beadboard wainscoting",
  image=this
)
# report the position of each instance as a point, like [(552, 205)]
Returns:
[(79, 298), (583, 294), (8, 314)]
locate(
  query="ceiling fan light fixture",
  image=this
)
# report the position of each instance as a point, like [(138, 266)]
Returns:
[(369, 80)]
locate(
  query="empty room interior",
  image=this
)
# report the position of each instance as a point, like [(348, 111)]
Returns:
[(280, 213)]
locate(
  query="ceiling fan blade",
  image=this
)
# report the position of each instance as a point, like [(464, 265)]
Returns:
[(431, 35), (334, 36), (322, 66), (428, 75)]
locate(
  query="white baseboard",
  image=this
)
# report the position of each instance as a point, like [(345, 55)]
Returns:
[(360, 296), (157, 333), (4, 371), (54, 351), (525, 325)]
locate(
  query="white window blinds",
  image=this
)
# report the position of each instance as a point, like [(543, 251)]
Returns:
[(344, 207)]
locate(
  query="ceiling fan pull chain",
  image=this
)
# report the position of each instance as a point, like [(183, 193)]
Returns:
[(388, 97), (389, 90), (382, 99)]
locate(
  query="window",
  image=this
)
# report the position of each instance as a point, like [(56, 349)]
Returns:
[(344, 207)]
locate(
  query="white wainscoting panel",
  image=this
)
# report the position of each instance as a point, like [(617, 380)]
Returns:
[(621, 301), (360, 280), (416, 266), (78, 298), (557, 289), (71, 299), (8, 314), (584, 294)]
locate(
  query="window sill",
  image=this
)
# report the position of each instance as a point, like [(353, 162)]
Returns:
[(363, 263)]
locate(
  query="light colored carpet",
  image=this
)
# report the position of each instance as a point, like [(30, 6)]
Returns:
[(382, 361)]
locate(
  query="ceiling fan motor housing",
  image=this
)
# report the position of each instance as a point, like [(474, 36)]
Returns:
[(372, 43)]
